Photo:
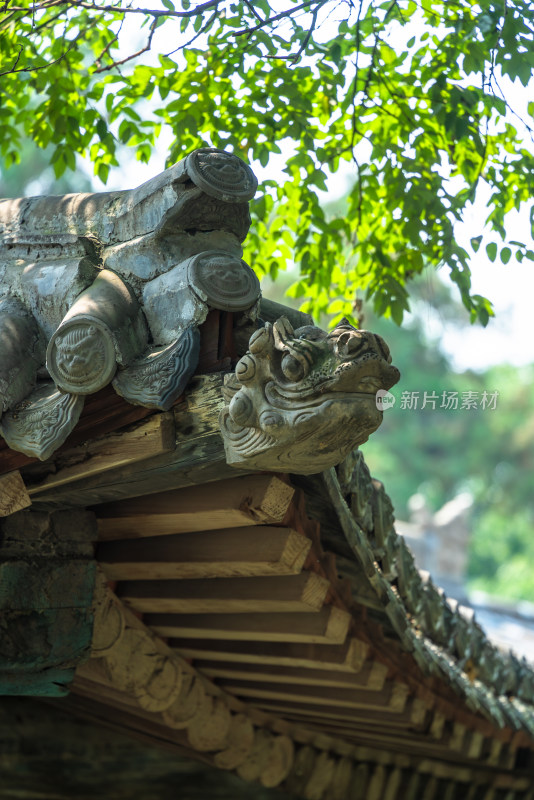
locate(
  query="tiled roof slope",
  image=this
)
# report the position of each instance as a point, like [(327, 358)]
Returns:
[(443, 638)]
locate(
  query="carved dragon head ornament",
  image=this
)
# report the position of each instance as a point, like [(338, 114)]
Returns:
[(300, 400)]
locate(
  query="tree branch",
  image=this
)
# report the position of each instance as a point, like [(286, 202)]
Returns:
[(107, 48), (13, 70), (251, 8), (144, 49), (281, 15), (202, 30), (308, 36), (151, 12), (14, 67)]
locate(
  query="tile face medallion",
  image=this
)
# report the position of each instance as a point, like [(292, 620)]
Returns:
[(104, 327), (81, 356), (223, 281), (221, 175)]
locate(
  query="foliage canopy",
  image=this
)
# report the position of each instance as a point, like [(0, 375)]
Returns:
[(413, 95)]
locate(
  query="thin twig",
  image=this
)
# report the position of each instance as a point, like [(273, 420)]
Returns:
[(43, 66), (144, 49), (10, 16), (202, 30), (269, 20), (47, 22), (356, 74), (107, 48), (251, 8), (152, 12), (308, 36), (494, 80), (14, 69)]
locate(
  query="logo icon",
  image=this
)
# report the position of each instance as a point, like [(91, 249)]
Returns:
[(384, 400)]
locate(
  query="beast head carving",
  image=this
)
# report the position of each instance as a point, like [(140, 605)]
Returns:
[(300, 400)]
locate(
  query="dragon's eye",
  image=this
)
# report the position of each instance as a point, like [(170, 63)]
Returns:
[(292, 368), (349, 343), (270, 420)]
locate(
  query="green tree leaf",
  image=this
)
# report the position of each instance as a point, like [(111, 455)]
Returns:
[(491, 250), (424, 127)]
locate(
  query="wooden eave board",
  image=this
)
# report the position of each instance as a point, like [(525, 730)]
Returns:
[(148, 438), (329, 624), (347, 657), (104, 412), (304, 592), (197, 458), (354, 713), (408, 744), (368, 678), (369, 760), (239, 502), (392, 698), (412, 743), (235, 552), (360, 717)]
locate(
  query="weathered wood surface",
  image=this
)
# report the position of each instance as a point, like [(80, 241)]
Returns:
[(195, 714), (48, 753), (392, 698), (348, 657), (240, 502), (408, 744), (358, 719), (247, 551), (105, 411), (197, 458), (304, 592), (109, 619), (148, 438), (330, 624), (134, 678), (287, 676), (210, 726), (13, 494)]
